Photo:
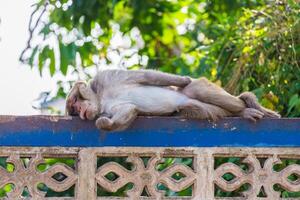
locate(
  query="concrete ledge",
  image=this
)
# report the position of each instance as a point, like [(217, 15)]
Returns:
[(39, 131)]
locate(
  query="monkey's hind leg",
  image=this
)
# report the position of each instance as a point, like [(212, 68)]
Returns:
[(208, 92), (251, 102), (199, 110)]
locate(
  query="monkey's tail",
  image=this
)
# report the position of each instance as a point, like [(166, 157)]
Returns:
[(251, 102)]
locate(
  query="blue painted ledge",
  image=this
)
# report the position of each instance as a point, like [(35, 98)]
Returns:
[(149, 132)]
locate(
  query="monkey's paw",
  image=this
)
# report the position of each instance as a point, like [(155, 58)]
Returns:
[(252, 114), (269, 113), (104, 123)]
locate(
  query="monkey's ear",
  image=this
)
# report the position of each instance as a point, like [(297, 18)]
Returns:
[(72, 97)]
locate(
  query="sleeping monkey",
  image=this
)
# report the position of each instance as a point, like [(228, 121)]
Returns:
[(117, 97)]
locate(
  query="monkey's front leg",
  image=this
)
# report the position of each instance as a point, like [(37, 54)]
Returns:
[(104, 123), (122, 117)]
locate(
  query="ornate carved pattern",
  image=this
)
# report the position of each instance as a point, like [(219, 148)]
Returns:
[(144, 177), (258, 177), (202, 177), (30, 177)]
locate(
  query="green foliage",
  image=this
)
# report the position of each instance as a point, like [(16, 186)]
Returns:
[(241, 45)]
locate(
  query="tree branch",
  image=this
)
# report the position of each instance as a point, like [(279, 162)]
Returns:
[(32, 29)]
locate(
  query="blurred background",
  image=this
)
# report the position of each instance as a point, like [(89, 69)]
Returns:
[(241, 45), (18, 83)]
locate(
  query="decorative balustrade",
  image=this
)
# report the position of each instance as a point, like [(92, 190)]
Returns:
[(157, 158)]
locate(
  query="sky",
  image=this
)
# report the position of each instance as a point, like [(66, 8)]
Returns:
[(19, 84)]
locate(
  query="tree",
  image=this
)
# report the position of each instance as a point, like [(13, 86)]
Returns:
[(241, 45)]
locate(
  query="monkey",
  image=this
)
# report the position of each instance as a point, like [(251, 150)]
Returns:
[(117, 97)]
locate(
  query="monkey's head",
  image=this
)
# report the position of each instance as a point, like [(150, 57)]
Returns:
[(80, 101)]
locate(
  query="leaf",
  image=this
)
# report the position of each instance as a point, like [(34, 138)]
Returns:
[(31, 58), (247, 49), (67, 56), (86, 51), (168, 36), (45, 30), (293, 102), (52, 62), (43, 57), (41, 63)]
